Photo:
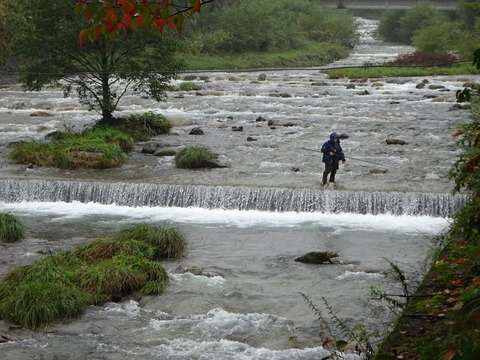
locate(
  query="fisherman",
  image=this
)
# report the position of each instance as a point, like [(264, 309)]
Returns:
[(332, 154)]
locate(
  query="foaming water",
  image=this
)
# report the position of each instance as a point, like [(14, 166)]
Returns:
[(63, 211), (236, 292)]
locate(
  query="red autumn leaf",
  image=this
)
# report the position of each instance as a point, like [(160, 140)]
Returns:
[(456, 282), (127, 20), (171, 23), (457, 133), (140, 22), (97, 31), (145, 3), (88, 13), (81, 36), (120, 26), (121, 2), (449, 355), (128, 8), (460, 261), (197, 6), (110, 18)]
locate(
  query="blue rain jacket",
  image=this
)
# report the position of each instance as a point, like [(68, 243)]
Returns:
[(328, 147)]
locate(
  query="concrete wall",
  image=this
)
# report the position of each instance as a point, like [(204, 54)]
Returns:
[(386, 4)]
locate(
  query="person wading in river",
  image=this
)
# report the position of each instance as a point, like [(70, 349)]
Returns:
[(332, 154)]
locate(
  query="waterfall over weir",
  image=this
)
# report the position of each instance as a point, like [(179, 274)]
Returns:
[(232, 198)]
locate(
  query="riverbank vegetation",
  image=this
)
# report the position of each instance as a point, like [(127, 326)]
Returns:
[(249, 34), (103, 146), (442, 319), (433, 31), (62, 285)]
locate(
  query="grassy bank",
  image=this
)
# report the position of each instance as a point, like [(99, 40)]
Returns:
[(397, 71), (312, 56)]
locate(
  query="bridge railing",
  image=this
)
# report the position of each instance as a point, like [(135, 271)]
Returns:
[(386, 4)]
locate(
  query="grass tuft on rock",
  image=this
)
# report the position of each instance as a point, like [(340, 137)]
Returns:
[(11, 229), (192, 157)]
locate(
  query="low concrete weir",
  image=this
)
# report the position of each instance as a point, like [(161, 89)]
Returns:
[(233, 198)]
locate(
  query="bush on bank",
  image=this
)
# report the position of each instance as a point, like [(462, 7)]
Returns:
[(62, 285), (101, 147)]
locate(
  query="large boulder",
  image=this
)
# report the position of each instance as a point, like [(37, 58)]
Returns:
[(179, 120), (314, 257)]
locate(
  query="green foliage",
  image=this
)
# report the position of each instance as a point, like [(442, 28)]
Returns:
[(437, 38), (141, 62), (11, 229), (264, 25), (401, 26), (466, 174), (168, 242), (192, 157), (389, 25), (330, 335)]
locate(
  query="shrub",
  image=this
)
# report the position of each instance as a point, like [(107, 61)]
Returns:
[(11, 229), (168, 242), (437, 38), (422, 59), (192, 157)]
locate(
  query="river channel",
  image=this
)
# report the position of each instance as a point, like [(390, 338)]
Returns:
[(236, 294)]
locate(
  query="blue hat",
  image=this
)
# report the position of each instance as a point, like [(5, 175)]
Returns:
[(334, 135)]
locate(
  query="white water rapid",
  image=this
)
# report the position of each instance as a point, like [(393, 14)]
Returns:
[(235, 295)]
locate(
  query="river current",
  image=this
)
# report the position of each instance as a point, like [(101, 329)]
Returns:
[(237, 292)]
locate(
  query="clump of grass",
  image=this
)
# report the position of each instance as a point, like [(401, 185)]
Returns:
[(108, 248), (168, 242), (99, 148), (112, 278), (11, 229), (143, 126), (192, 157), (63, 284), (36, 303)]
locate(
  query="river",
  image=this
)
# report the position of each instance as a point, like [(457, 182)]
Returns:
[(245, 302)]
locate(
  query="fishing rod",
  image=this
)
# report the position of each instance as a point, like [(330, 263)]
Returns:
[(371, 162)]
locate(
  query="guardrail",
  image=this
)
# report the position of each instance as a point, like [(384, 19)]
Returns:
[(385, 4)]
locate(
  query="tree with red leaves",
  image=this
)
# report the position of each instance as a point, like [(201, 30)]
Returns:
[(112, 17)]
